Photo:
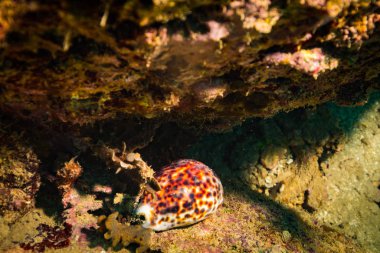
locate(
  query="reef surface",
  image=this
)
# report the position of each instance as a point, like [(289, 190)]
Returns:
[(291, 185), (96, 96), (207, 61)]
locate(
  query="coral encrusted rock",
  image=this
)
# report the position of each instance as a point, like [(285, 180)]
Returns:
[(19, 178), (206, 61)]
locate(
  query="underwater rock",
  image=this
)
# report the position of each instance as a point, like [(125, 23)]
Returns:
[(190, 191), (200, 60), (271, 156), (19, 176)]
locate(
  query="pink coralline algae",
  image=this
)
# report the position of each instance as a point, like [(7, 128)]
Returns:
[(190, 191), (313, 61)]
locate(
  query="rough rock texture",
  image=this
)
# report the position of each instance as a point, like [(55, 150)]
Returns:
[(302, 156), (124, 71), (281, 156), (244, 226), (19, 178), (219, 61), (322, 162), (353, 183), (246, 222)]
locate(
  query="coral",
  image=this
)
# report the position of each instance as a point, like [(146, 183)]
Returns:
[(256, 14), (78, 213), (77, 205), (125, 233), (80, 201), (313, 62), (355, 26)]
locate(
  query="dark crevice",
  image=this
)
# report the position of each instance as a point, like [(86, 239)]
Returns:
[(305, 204)]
